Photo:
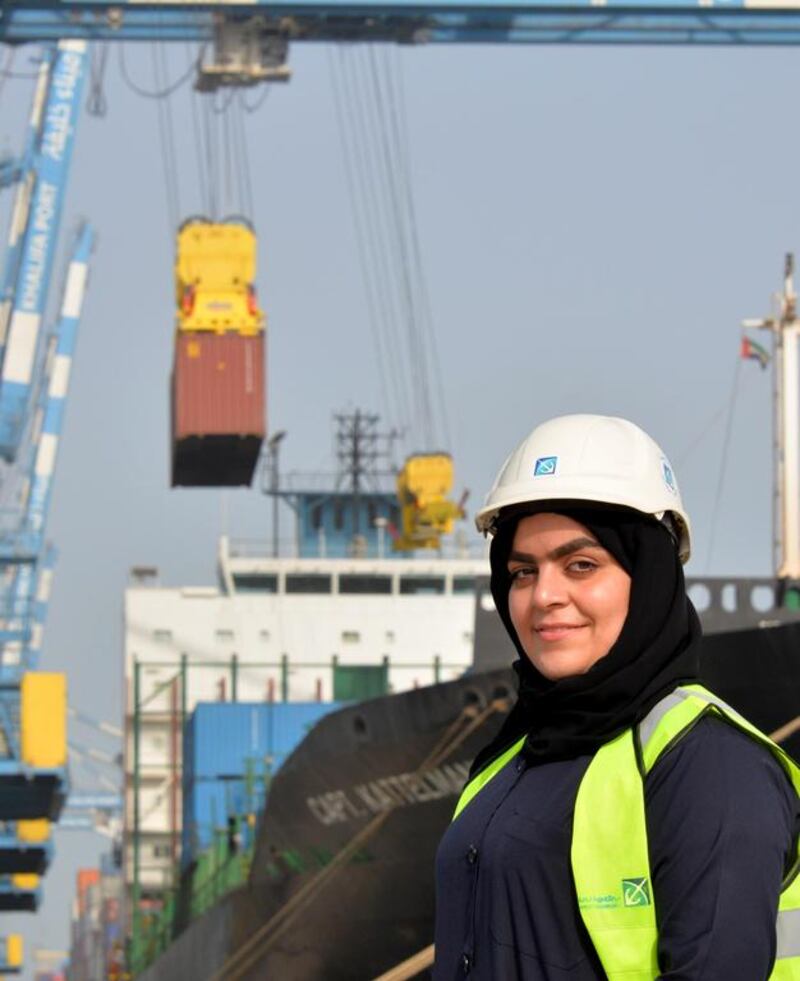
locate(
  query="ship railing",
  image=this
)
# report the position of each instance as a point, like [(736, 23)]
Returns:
[(455, 548), (256, 548), (287, 679)]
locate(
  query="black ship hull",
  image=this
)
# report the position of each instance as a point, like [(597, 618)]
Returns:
[(342, 887)]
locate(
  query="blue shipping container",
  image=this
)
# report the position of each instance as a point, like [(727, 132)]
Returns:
[(207, 804), (230, 751), (230, 739)]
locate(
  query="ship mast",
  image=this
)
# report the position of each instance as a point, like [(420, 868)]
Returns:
[(785, 329)]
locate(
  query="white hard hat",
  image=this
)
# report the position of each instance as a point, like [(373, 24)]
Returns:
[(600, 459)]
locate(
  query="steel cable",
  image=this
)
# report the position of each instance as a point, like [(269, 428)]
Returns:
[(361, 245), (393, 154), (96, 102), (224, 103), (161, 93), (703, 431), (396, 94), (254, 106), (230, 201), (723, 466), (168, 158), (197, 130), (411, 967), (378, 223), (7, 70), (377, 271), (787, 729), (211, 160), (242, 158), (169, 129), (386, 153)]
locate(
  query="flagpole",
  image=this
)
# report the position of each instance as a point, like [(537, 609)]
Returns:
[(785, 332)]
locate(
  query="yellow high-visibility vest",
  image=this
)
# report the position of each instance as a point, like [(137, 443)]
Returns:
[(610, 861)]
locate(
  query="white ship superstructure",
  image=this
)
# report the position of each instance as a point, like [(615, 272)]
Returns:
[(274, 629)]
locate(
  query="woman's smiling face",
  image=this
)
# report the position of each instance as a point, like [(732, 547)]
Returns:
[(568, 597)]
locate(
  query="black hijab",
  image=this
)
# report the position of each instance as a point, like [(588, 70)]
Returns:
[(657, 648)]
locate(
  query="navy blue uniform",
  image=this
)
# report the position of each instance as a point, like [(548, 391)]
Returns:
[(721, 820)]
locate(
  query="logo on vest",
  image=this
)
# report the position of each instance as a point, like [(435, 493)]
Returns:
[(635, 892), (606, 901)]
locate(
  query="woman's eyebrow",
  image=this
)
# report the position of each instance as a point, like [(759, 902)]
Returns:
[(574, 545)]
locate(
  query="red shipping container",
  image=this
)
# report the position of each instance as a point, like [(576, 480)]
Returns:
[(85, 878), (218, 408)]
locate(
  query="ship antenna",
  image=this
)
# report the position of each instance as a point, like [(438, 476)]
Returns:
[(360, 448)]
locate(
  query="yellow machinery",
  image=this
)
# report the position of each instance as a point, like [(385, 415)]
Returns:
[(11, 952), (14, 950), (34, 831), (25, 881), (426, 513), (43, 720), (215, 270)]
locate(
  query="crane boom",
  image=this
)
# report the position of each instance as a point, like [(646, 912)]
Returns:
[(34, 590), (54, 118)]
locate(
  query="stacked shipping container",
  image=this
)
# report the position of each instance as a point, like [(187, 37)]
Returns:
[(230, 752), (97, 945)]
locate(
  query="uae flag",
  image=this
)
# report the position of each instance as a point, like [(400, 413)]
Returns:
[(754, 351)]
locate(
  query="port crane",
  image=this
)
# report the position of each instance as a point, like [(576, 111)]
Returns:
[(34, 383)]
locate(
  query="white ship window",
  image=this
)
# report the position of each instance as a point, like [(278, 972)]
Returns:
[(264, 635), (417, 585), (255, 583), (308, 583), (463, 584), (162, 636), (365, 584), (390, 636), (224, 634), (350, 636)]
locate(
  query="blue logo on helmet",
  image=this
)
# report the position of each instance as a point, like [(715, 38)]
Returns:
[(669, 476), (545, 466)]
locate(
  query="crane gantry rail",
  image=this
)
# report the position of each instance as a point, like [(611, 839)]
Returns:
[(734, 22)]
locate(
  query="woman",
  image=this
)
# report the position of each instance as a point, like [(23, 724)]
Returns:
[(624, 823)]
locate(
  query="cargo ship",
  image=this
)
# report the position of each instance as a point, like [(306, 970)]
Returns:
[(340, 880), (224, 682), (318, 864)]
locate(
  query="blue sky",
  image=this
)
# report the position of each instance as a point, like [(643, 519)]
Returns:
[(594, 224)]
